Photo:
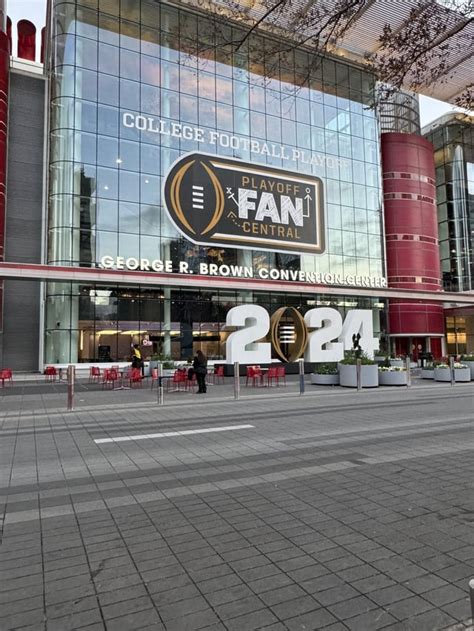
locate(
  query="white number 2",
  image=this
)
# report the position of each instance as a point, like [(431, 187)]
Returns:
[(253, 323)]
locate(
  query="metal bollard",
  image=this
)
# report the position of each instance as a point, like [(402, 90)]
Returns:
[(236, 380), (359, 375), (301, 371), (71, 374), (471, 594), (452, 370), (160, 390), (407, 368)]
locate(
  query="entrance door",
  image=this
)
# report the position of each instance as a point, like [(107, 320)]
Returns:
[(418, 347)]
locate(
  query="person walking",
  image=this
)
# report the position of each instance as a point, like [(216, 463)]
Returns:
[(200, 369)]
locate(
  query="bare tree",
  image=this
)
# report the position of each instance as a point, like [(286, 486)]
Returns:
[(416, 54)]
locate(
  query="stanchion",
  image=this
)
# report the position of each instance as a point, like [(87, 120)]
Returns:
[(359, 375), (236, 380), (451, 370), (407, 368), (160, 390), (471, 595), (301, 370), (71, 374)]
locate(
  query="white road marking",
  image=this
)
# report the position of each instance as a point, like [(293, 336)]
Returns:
[(184, 432)]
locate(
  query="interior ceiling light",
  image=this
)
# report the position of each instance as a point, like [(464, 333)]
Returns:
[(109, 332), (133, 332)]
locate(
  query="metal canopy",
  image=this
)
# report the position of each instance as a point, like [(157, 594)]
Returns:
[(367, 26)]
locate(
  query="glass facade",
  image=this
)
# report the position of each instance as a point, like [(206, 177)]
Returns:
[(454, 160), (113, 62)]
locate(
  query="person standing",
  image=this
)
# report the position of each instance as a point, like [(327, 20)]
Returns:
[(137, 361), (200, 369)]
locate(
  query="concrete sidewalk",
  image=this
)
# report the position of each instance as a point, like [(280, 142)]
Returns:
[(335, 510)]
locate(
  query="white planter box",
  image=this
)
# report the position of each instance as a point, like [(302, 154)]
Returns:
[(471, 368), (398, 363), (427, 373), (392, 378), (324, 380), (460, 374), (348, 375)]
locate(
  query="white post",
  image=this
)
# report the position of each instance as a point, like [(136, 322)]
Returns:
[(359, 374), (236, 380), (71, 373)]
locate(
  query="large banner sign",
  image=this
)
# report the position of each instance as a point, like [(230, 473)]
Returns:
[(227, 202)]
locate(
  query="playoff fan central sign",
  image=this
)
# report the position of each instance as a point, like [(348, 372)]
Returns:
[(227, 202)]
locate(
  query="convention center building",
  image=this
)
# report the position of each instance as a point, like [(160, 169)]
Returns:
[(151, 179)]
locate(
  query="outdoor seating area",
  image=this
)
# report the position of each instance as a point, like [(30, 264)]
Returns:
[(121, 379), (257, 377)]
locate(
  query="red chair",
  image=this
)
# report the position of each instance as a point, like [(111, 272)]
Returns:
[(6, 374), (281, 374), (254, 373), (94, 374), (154, 376), (135, 377), (217, 376), (110, 377), (50, 373), (178, 381), (272, 376)]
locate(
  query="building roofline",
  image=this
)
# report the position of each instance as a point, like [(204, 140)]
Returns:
[(448, 119)]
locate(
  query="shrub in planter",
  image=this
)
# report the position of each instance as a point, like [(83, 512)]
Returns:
[(325, 375), (468, 360), (165, 360), (462, 372), (393, 376), (348, 371)]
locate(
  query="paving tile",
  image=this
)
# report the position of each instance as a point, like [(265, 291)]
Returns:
[(409, 607), (375, 619), (135, 620), (352, 607), (126, 607), (262, 619), (290, 608), (238, 607), (444, 595), (337, 594), (194, 621), (433, 619), (313, 621), (182, 608), (389, 595)]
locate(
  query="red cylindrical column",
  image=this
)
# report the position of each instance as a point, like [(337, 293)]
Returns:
[(26, 40), (411, 232)]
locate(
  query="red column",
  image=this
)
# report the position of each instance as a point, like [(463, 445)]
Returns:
[(26, 40), (411, 232)]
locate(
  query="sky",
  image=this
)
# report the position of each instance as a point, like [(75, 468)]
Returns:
[(35, 11)]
